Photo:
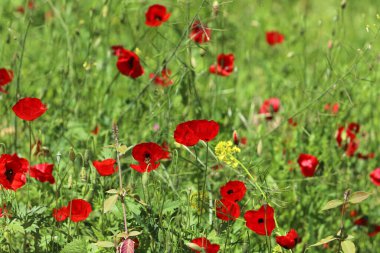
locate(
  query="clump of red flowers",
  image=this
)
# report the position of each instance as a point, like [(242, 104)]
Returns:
[(332, 108), (107, 167), (346, 138), (269, 107), (375, 176), (308, 164), (200, 33), (189, 133), (43, 172), (288, 241), (163, 80), (148, 155), (274, 38), (12, 171), (29, 109), (128, 62), (6, 76), (224, 66), (156, 15), (261, 221), (206, 245), (77, 210)]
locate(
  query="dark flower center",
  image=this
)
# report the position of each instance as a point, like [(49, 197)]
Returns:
[(157, 17), (147, 157), (9, 174), (131, 62), (261, 220), (230, 191)]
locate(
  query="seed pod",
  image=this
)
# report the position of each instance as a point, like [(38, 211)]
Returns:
[(72, 155)]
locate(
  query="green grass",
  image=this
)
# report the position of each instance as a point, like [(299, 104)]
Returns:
[(67, 62)]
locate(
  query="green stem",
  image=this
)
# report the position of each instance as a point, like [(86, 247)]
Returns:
[(254, 181)]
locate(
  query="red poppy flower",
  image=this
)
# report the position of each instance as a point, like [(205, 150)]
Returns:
[(227, 209), (206, 245), (363, 221), (148, 155), (288, 241), (79, 210), (105, 167), (274, 38), (261, 221), (353, 213), (375, 176), (6, 76), (292, 122), (12, 171), (156, 15), (269, 107), (367, 156), (349, 142), (225, 65), (233, 190), (4, 212), (308, 164), (190, 132), (95, 131), (43, 172), (29, 108), (200, 33), (163, 80), (375, 229), (128, 62), (334, 108), (60, 214)]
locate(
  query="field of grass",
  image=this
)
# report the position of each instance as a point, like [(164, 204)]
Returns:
[(60, 52)]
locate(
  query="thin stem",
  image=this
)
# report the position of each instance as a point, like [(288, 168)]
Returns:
[(121, 194), (254, 181), (204, 180)]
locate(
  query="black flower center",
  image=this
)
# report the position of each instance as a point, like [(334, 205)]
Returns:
[(9, 174), (157, 17), (230, 191), (261, 220), (147, 157)]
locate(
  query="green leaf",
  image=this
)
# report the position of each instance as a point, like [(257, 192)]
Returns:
[(348, 247), (332, 204), (105, 244), (76, 246), (109, 203), (134, 233), (324, 240), (112, 191), (358, 197)]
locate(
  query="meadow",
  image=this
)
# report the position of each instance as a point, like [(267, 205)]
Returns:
[(189, 126)]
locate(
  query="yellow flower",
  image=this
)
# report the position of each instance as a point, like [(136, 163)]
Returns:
[(277, 249), (225, 151)]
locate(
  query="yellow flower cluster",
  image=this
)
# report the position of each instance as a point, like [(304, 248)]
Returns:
[(225, 151)]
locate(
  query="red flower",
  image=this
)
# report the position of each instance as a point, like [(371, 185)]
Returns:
[(227, 209), (148, 155), (225, 65), (128, 62), (43, 172), (261, 221), (60, 214), (4, 212), (200, 33), (375, 176), (233, 190), (274, 38), (29, 108), (308, 164), (163, 80), (334, 109), (292, 122), (156, 15), (190, 132), (79, 210), (363, 221), (269, 107), (105, 167), (206, 245), (375, 229), (367, 156), (95, 131), (6, 76), (288, 241), (349, 142), (12, 171)]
